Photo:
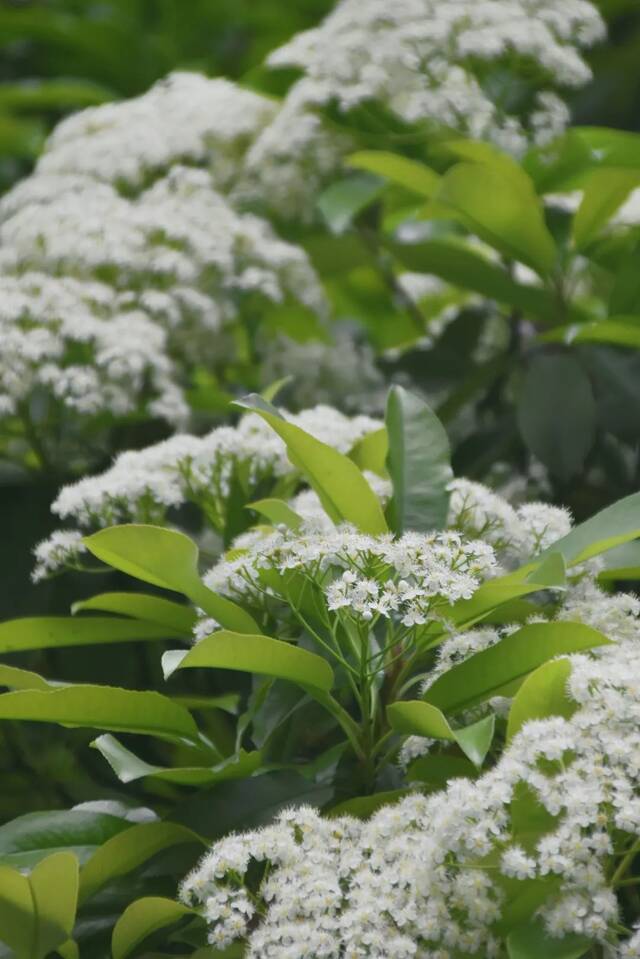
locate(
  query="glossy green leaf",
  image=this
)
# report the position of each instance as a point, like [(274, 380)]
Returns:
[(505, 666), (542, 694), (490, 597), (254, 654), (418, 462), (153, 609), (370, 453), (605, 190), (37, 912), (142, 918), (28, 839), (497, 202), (102, 707), (436, 770), (343, 200), (552, 383), (362, 807), (613, 526), (530, 941), (344, 492), (129, 849), (622, 563), (169, 559), (277, 512), (617, 331), (128, 767), (422, 719), (56, 632), (407, 173)]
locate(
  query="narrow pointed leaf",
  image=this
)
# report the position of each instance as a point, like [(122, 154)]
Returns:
[(277, 512), (128, 767), (344, 492)]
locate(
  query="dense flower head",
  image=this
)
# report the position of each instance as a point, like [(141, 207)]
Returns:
[(446, 866), (428, 60), (185, 118), (365, 577)]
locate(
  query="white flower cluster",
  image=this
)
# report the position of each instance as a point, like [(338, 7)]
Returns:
[(143, 485), (183, 119), (433, 875), (426, 60), (364, 577), (515, 533), (122, 265)]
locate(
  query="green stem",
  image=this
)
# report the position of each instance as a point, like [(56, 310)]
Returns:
[(625, 863)]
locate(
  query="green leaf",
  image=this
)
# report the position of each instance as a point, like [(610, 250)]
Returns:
[(413, 176), (129, 849), (418, 462), (152, 609), (169, 559), (362, 807), (14, 678), (504, 666), (542, 694), (436, 770), (491, 596), (254, 654), (56, 632), (622, 331), (611, 527), (370, 453), (422, 719), (128, 767), (605, 190), (141, 919), (277, 512), (37, 912), (341, 202), (51, 94), (457, 263), (530, 941), (28, 839), (497, 201), (623, 562), (102, 707), (553, 383), (344, 492)]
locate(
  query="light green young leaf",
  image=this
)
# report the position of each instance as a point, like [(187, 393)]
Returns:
[(605, 190), (422, 719), (613, 526), (370, 453), (38, 911), (14, 678), (102, 707), (542, 694), (407, 173), (153, 609), (418, 462), (56, 632), (169, 559), (254, 654), (497, 201), (502, 668), (142, 918), (622, 563), (277, 512), (129, 849), (128, 767), (344, 492)]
